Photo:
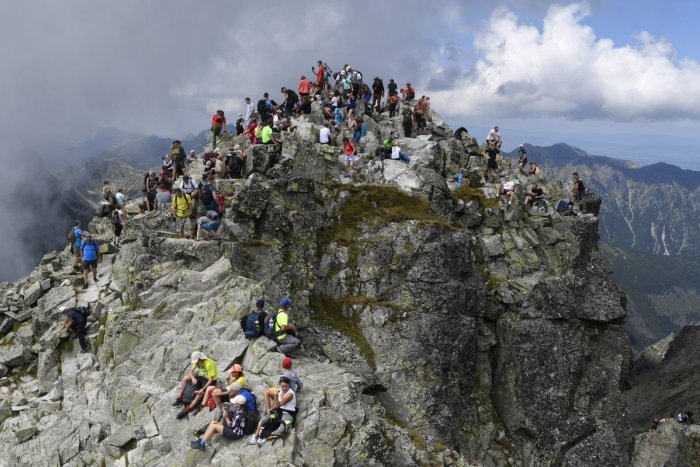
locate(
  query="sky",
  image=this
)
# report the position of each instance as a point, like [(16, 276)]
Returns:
[(619, 78)]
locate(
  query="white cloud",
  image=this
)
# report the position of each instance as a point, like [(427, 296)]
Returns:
[(564, 70)]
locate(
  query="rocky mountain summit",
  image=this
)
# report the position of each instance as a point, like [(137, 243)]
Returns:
[(441, 326)]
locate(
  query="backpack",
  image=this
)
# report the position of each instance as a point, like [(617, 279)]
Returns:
[(251, 421), (292, 96), (273, 424), (252, 324), (151, 185), (71, 235), (175, 153), (188, 394), (269, 327), (116, 218), (85, 311), (262, 108), (206, 195), (407, 115)]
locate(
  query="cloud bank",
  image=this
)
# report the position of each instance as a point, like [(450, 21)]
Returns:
[(564, 70)]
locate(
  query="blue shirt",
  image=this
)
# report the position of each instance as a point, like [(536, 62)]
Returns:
[(250, 398), (77, 233), (89, 249)]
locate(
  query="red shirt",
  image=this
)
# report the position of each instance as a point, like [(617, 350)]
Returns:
[(321, 75), (218, 120), (304, 86), (251, 130), (349, 149)]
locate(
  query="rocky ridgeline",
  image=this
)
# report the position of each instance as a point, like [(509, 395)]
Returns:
[(441, 326)]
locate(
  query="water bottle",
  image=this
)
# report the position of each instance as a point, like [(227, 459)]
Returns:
[(460, 176)]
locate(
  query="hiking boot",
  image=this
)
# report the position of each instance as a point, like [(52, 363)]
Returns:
[(85, 350), (85, 286), (261, 441), (178, 403), (181, 414), (253, 439), (197, 445)]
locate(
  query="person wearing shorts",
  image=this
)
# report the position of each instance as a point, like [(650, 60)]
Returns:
[(182, 209), (350, 153), (90, 251)]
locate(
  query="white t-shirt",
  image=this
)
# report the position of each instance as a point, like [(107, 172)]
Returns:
[(395, 152), (325, 135), (508, 186), (187, 187), (292, 404), (494, 135)]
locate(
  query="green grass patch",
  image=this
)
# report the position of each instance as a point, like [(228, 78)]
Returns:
[(329, 311), (467, 194)]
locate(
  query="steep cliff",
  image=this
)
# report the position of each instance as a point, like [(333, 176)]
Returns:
[(441, 326)]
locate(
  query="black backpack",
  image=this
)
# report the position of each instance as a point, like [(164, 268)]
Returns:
[(188, 394), (206, 195), (116, 219), (292, 96), (269, 327)]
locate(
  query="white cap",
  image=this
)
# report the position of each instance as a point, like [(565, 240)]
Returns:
[(239, 399), (197, 356), (62, 309)]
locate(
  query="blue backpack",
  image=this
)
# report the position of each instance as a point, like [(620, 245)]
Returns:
[(269, 328), (253, 324)]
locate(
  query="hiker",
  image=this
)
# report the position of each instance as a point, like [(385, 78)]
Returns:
[(324, 135), (162, 198), (290, 101), (220, 168), (236, 161), (120, 198), (150, 184), (232, 426), (248, 113), (393, 102), (209, 196), (494, 138), (535, 194), (491, 153), (378, 93), (192, 156), (350, 153), (392, 88), (409, 92), (304, 87), (534, 169), (252, 324), (218, 126), (507, 188), (208, 226), (266, 136), (235, 375), (202, 374), (294, 382), (396, 153), (282, 329), (578, 190), (320, 75), (178, 158), (118, 219), (282, 410), (182, 208), (407, 119), (187, 185), (76, 319), (522, 160), (74, 240), (420, 110), (90, 252)]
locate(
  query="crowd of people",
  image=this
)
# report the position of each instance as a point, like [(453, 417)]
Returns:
[(684, 417)]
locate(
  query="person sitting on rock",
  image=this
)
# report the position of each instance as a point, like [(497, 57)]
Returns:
[(232, 426), (294, 381), (396, 152), (494, 138), (90, 252), (74, 240), (208, 226), (284, 330), (535, 194), (534, 169), (202, 374), (507, 188), (282, 410), (324, 135), (76, 319), (235, 375), (220, 169), (232, 390), (522, 160)]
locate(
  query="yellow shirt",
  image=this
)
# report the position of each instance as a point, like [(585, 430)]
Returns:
[(282, 320), (208, 369), (181, 205), (241, 380), (266, 134)]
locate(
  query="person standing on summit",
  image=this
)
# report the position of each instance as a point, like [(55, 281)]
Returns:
[(494, 138), (249, 112), (218, 125), (320, 75)]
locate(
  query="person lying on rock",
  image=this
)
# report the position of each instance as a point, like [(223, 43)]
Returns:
[(235, 375), (231, 426), (201, 375), (280, 408)]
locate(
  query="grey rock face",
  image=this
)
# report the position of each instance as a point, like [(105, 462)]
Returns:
[(439, 327)]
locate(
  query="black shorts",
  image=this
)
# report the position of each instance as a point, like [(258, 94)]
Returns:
[(201, 381), (89, 264), (229, 434), (118, 229), (491, 164)]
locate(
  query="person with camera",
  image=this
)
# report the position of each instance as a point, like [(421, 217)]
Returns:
[(231, 426)]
